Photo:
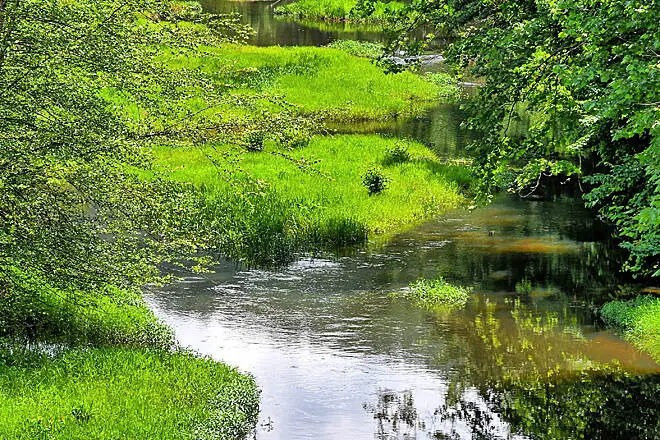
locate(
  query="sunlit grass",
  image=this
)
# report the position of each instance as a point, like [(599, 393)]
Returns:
[(332, 185), (321, 81), (115, 393), (639, 319), (436, 294), (337, 10)]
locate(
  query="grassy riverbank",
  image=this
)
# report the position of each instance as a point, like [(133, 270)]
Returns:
[(134, 393), (108, 368), (318, 81), (339, 10), (314, 196), (639, 320)]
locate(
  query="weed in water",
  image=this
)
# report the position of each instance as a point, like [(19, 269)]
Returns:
[(438, 293)]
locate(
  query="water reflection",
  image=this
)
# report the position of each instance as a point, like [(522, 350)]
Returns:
[(439, 128), (336, 354), (273, 31)]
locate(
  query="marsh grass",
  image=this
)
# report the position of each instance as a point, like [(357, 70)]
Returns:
[(639, 319), (335, 10), (313, 198), (437, 294), (108, 393)]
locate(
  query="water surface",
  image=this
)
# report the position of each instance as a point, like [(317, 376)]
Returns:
[(339, 356)]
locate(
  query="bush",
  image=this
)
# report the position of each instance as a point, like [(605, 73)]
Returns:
[(375, 181), (396, 153)]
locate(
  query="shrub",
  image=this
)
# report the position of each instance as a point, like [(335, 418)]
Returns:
[(375, 181), (396, 153)]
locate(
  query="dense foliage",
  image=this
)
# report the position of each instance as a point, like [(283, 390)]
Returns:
[(587, 75)]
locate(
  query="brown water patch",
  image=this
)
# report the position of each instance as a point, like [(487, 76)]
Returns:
[(536, 246), (606, 347), (490, 242)]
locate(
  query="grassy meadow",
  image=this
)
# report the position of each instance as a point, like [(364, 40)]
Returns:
[(314, 196), (326, 82)]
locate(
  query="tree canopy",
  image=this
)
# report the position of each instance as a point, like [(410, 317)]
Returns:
[(76, 210), (587, 74)]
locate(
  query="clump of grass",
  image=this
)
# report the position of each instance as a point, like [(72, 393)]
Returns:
[(125, 393), (438, 293), (396, 154), (363, 49), (639, 319)]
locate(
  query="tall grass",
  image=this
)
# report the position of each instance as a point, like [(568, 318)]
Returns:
[(33, 310), (114, 393), (314, 196), (639, 319), (345, 10)]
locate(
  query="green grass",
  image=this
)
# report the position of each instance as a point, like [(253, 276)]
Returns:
[(319, 81), (334, 10), (364, 49), (639, 319), (115, 393), (35, 310), (434, 294), (315, 197)]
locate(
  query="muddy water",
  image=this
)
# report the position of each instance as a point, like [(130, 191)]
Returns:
[(338, 356)]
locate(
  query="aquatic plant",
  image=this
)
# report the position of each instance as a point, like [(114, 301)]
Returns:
[(438, 293)]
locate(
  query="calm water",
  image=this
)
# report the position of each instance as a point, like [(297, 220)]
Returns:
[(337, 356), (271, 30)]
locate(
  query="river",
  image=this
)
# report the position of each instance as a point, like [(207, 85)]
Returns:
[(337, 356)]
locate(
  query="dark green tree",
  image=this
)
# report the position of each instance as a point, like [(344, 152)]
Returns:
[(587, 74)]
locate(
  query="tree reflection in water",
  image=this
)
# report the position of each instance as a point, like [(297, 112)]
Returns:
[(527, 376)]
